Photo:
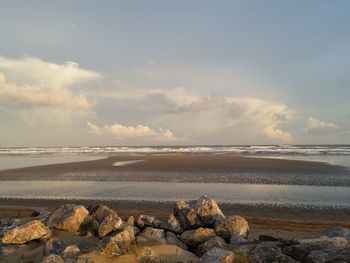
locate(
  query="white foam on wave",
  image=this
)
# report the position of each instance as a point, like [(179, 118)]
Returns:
[(124, 163)]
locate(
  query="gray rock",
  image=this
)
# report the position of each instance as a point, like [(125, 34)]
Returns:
[(267, 252), (8, 250), (301, 251), (70, 253), (172, 239), (53, 246), (232, 225), (52, 259), (108, 220), (211, 243), (145, 221), (338, 232), (198, 236), (109, 247), (203, 212), (22, 234), (173, 225), (118, 243), (151, 236), (329, 255), (68, 217), (217, 255), (237, 239)]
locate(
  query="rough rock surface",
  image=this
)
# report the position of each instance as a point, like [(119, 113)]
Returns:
[(217, 255), (108, 220), (302, 250), (198, 236), (68, 217), (172, 239), (151, 236), (329, 255), (203, 212), (70, 253), (52, 259), (53, 246), (109, 247), (232, 225), (25, 233), (267, 252), (211, 243), (145, 221)]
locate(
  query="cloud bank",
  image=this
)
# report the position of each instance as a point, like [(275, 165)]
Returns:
[(315, 126), (44, 91)]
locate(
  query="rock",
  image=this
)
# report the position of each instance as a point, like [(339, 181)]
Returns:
[(53, 246), (118, 243), (52, 259), (211, 243), (145, 221), (237, 239), (172, 239), (70, 253), (329, 255), (107, 219), (83, 259), (166, 254), (68, 217), (151, 236), (8, 250), (232, 225), (198, 236), (267, 252), (109, 247), (338, 232), (131, 221), (301, 251), (25, 233), (203, 212), (173, 225), (217, 255)]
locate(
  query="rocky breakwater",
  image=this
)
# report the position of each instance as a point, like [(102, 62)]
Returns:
[(197, 231)]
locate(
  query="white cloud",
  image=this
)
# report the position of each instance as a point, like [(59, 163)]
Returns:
[(314, 125), (36, 88), (122, 132), (212, 115)]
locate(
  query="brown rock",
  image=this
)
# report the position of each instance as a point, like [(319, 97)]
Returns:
[(232, 225), (217, 255), (172, 239), (151, 236), (107, 219), (211, 243), (68, 217), (52, 259), (203, 212), (198, 236), (25, 233)]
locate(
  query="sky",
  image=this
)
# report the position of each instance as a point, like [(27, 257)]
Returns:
[(163, 72)]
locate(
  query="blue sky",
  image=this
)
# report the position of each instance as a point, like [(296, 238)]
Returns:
[(174, 72)]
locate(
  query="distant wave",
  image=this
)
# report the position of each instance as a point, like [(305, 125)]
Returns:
[(249, 150)]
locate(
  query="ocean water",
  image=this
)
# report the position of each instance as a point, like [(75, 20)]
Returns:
[(16, 157), (164, 191)]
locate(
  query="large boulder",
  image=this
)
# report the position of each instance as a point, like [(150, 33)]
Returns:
[(145, 221), (108, 220), (69, 218), (203, 212), (217, 255), (267, 252), (232, 225), (198, 236), (151, 236), (338, 232), (25, 233), (329, 255)]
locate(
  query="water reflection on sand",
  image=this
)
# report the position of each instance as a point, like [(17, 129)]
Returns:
[(169, 191)]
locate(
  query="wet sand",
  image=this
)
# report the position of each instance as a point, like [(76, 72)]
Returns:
[(205, 169)]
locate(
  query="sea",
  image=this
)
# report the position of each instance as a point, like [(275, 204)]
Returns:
[(286, 195)]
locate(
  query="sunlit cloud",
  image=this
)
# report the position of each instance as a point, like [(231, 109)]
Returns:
[(314, 125)]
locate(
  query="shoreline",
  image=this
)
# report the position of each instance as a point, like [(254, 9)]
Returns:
[(189, 169)]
